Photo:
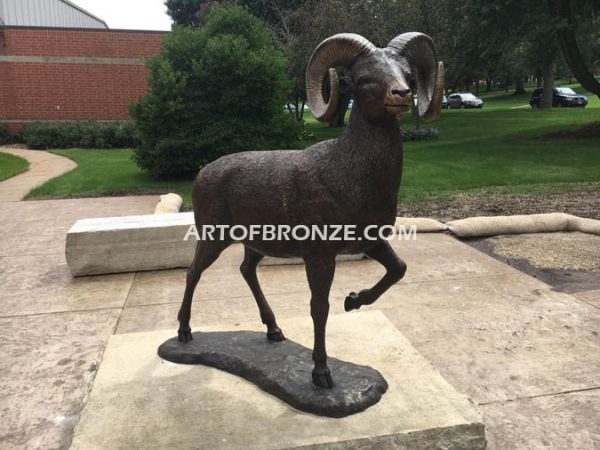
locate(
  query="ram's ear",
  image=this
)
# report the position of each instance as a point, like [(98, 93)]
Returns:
[(346, 85)]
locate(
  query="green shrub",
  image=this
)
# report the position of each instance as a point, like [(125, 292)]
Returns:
[(419, 134), (5, 136), (17, 137), (212, 91), (307, 135), (80, 134)]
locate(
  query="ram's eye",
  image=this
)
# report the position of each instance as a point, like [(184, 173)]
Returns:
[(363, 81)]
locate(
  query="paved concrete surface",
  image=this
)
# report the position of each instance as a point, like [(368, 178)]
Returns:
[(592, 297), (53, 329), (43, 166), (527, 354), (138, 398)]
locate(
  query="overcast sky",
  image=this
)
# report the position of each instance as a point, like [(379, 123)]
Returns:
[(129, 14)]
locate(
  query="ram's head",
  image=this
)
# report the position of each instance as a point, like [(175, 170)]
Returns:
[(382, 81)]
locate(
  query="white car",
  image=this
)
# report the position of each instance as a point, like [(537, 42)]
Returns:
[(464, 100), (292, 107)]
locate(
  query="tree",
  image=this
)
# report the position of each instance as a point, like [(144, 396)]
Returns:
[(313, 21), (189, 12), (512, 38), (502, 42), (280, 17), (212, 91), (562, 10), (543, 53)]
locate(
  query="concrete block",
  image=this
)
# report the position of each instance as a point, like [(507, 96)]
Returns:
[(141, 401), (129, 244), (138, 243), (272, 261)]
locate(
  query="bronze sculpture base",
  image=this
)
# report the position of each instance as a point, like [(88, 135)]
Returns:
[(282, 369)]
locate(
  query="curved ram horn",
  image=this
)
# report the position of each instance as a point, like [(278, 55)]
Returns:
[(338, 50), (419, 50)]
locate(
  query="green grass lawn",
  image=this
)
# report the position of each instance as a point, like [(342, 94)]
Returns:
[(106, 172), (497, 147), (11, 165)]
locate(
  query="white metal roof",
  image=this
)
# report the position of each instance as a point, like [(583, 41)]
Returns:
[(47, 13)]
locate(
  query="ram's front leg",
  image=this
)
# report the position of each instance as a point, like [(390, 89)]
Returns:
[(320, 271), (395, 270)]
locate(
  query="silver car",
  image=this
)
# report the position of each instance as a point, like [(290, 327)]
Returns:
[(464, 100)]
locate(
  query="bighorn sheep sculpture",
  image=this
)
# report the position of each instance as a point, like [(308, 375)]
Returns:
[(352, 180)]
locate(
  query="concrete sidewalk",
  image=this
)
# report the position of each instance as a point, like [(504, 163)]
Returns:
[(43, 166), (528, 355)]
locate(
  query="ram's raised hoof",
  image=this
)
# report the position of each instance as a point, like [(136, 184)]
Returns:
[(352, 302)]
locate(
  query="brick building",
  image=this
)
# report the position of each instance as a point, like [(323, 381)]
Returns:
[(70, 73)]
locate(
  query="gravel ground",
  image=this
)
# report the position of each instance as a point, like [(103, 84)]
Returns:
[(584, 203), (569, 262)]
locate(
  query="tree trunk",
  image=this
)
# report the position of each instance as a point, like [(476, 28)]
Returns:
[(301, 117), (488, 85), (538, 78), (570, 48), (296, 103), (519, 85), (477, 86), (546, 100), (468, 84), (299, 112), (338, 120)]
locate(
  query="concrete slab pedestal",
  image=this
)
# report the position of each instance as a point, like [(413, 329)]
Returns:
[(141, 401)]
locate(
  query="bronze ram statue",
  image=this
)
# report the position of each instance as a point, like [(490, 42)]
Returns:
[(352, 180)]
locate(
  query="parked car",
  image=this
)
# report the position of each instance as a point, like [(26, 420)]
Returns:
[(561, 96), (291, 107), (464, 100)]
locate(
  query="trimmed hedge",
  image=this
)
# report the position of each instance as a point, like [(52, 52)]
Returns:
[(5, 136), (419, 134), (80, 134), (409, 133)]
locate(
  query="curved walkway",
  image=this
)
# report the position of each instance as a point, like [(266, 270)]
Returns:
[(43, 166)]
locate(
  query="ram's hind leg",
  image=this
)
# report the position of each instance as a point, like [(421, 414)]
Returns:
[(207, 253), (395, 270), (248, 269)]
